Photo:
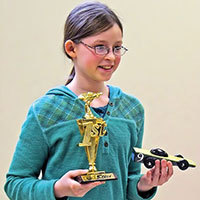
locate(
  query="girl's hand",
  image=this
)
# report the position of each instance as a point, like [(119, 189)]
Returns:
[(158, 175), (67, 186)]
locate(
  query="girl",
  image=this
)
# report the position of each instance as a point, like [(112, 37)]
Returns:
[(48, 141)]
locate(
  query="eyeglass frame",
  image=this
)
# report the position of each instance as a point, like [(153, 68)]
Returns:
[(107, 48)]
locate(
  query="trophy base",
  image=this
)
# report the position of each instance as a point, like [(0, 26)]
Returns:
[(95, 176)]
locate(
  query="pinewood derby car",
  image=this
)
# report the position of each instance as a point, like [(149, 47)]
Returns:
[(148, 157)]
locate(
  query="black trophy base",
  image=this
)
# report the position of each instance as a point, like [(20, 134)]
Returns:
[(95, 176)]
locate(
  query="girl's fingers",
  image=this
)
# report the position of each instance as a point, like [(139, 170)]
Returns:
[(92, 185), (78, 172), (84, 188), (170, 170), (149, 177), (156, 174), (164, 172)]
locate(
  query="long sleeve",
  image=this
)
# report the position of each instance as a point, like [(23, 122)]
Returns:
[(135, 169), (48, 143), (29, 159)]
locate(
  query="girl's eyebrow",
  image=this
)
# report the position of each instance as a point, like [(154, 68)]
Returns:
[(104, 41)]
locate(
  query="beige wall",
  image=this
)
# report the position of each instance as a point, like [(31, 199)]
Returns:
[(161, 68)]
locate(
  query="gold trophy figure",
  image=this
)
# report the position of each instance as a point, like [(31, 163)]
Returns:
[(92, 128)]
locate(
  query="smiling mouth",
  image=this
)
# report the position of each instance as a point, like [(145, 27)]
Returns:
[(105, 67)]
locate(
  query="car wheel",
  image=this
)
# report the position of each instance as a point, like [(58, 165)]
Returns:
[(183, 164), (149, 162)]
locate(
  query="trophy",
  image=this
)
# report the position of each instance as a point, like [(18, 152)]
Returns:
[(92, 128)]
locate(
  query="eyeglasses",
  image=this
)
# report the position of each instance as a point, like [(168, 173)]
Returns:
[(103, 50)]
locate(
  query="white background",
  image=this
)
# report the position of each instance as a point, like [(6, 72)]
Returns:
[(161, 68)]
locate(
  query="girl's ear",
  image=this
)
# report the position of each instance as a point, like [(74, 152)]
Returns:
[(70, 48)]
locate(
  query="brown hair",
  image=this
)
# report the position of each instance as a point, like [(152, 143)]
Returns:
[(85, 20)]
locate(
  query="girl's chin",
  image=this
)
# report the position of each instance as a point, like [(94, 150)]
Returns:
[(106, 78), (102, 79), (106, 75)]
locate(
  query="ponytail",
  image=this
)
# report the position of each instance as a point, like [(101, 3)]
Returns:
[(71, 76)]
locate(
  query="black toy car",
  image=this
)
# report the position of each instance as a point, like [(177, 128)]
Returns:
[(148, 157)]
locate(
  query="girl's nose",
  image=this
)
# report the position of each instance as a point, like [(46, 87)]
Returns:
[(110, 56)]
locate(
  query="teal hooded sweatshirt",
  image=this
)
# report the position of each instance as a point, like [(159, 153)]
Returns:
[(48, 146)]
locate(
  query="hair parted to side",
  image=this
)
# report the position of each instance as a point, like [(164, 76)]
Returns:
[(85, 20)]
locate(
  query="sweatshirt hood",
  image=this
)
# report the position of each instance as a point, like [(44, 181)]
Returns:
[(61, 91)]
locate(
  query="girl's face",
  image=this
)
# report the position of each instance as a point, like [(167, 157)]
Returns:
[(93, 67)]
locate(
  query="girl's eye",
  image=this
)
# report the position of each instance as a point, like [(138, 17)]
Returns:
[(100, 47), (118, 48)]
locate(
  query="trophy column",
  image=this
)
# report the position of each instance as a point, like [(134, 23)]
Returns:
[(92, 128)]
